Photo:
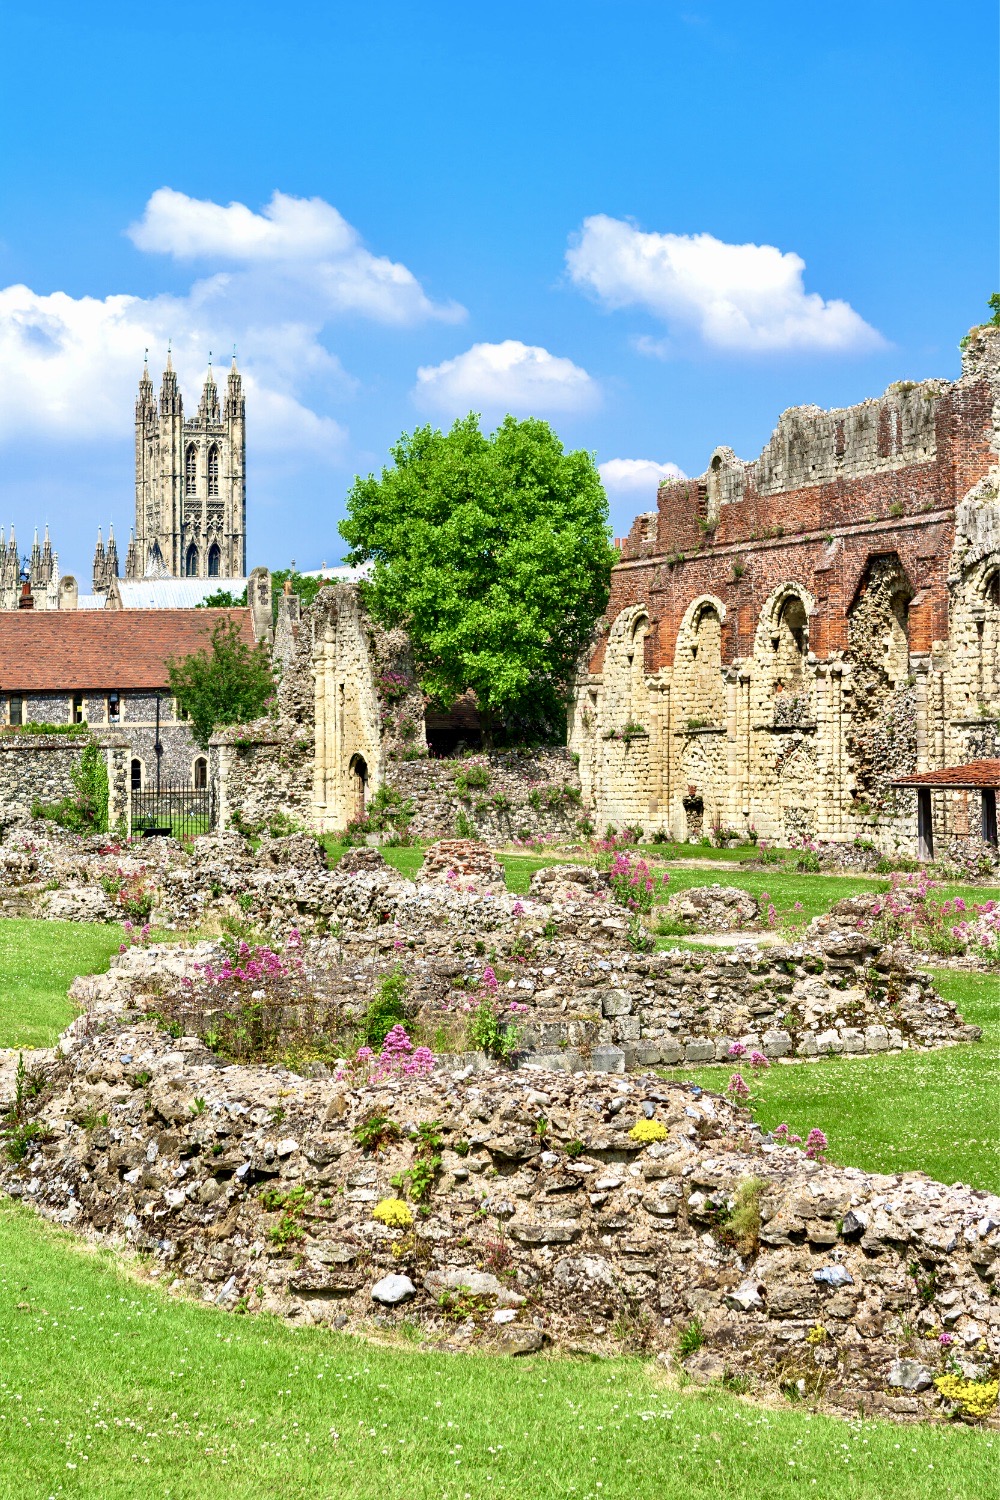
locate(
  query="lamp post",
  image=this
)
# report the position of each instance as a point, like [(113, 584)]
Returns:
[(157, 746)]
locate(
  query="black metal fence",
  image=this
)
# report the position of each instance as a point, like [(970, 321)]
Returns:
[(180, 811)]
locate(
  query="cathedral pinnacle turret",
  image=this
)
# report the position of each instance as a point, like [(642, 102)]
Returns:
[(208, 410), (111, 558)]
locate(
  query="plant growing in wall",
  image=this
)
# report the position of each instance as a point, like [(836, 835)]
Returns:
[(87, 810)]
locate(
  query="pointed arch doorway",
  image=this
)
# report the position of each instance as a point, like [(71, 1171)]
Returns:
[(358, 771)]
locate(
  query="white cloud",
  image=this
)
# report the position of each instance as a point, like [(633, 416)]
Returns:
[(636, 478), (69, 365), (746, 298), (295, 248), (516, 377)]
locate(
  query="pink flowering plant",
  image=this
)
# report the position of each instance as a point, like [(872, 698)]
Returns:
[(631, 883), (252, 1007), (912, 909), (398, 1058), (816, 1143), (134, 936)]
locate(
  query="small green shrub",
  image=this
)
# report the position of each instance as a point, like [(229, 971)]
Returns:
[(385, 1011), (691, 1339), (471, 777), (741, 1228), (376, 1131), (488, 1031)]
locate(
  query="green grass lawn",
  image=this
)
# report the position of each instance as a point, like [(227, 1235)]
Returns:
[(38, 962), (933, 1112), (110, 1389), (798, 898)]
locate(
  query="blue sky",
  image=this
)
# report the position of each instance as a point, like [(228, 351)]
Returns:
[(658, 225)]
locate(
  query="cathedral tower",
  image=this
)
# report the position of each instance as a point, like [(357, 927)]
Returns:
[(190, 481)]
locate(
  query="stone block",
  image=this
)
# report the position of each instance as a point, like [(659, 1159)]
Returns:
[(776, 1044), (699, 1050), (607, 1060)]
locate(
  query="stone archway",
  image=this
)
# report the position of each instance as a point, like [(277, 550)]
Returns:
[(358, 769)]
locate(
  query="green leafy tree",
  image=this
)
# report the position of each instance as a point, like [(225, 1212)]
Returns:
[(306, 588), (224, 599), (493, 553), (227, 683)]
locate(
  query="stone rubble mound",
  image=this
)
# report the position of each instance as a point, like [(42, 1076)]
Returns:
[(715, 908), (462, 861), (510, 1211)]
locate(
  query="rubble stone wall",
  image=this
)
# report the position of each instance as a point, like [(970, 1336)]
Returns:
[(785, 636), (38, 768), (547, 1220), (525, 796)]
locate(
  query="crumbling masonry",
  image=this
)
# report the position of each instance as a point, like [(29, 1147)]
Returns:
[(785, 636)]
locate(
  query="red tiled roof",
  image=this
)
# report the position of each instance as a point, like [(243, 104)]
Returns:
[(975, 776), (56, 650)]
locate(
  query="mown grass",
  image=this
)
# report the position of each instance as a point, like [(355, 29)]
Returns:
[(933, 1112), (110, 1389), (38, 962)]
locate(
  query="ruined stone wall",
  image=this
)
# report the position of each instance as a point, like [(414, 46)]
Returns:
[(347, 701), (786, 636), (38, 768), (525, 796)]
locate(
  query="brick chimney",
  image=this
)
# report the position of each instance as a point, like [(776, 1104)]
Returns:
[(26, 601)]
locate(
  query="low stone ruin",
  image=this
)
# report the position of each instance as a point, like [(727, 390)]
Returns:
[(715, 908), (464, 861), (586, 1212)]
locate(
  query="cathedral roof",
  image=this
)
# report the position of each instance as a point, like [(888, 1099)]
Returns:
[(94, 650), (174, 593)]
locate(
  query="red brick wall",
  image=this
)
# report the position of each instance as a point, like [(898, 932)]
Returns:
[(781, 538)]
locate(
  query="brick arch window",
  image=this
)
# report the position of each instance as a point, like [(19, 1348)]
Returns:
[(790, 642), (191, 470), (213, 472)]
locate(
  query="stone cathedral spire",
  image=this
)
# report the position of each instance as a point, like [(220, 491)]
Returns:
[(190, 480), (97, 573)]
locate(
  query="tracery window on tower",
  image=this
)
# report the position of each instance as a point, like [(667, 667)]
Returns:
[(191, 562), (213, 472), (191, 470), (214, 561)]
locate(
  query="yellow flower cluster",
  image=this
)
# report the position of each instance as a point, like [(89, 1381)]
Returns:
[(816, 1334), (394, 1213), (647, 1131), (977, 1398)]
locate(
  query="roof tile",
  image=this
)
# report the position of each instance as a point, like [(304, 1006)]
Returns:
[(94, 650)]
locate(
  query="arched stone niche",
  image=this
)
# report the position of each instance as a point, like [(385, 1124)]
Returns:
[(699, 684)]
